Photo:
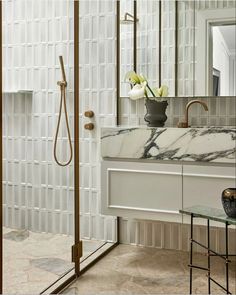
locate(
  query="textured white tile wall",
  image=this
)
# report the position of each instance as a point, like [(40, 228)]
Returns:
[(38, 195), (221, 111)]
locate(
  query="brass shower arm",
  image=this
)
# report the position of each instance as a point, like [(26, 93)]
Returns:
[(128, 15), (128, 18)]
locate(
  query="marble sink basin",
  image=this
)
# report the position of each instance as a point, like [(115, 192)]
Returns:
[(203, 144)]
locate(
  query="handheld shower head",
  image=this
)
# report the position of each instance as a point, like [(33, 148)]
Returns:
[(63, 85), (62, 68)]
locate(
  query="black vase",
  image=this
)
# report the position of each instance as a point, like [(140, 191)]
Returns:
[(156, 113), (228, 199)]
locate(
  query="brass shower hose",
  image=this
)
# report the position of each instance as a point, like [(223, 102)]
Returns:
[(63, 85)]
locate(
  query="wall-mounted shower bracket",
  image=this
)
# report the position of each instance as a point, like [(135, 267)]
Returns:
[(62, 83)]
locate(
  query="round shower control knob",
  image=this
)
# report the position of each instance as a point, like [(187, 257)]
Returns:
[(89, 114), (89, 126)]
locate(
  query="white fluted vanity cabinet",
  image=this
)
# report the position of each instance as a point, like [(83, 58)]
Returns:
[(142, 190), (152, 173)]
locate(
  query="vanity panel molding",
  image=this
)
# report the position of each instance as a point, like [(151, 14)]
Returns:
[(142, 190)]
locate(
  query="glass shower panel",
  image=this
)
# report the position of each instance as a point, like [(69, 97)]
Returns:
[(97, 41), (38, 200)]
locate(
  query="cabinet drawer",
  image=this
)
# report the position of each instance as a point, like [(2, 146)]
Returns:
[(141, 188)]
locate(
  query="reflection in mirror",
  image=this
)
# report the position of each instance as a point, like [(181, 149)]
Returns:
[(148, 40), (215, 52), (173, 45), (126, 42), (224, 62)]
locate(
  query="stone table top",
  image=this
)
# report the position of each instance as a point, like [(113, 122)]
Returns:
[(209, 213)]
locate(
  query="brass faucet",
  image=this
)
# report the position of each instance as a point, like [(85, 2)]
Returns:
[(184, 124)]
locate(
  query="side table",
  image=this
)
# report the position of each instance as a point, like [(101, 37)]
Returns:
[(219, 216)]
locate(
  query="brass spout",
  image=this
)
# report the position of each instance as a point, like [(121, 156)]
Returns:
[(185, 124)]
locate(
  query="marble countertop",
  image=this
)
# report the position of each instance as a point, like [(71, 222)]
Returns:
[(202, 144)]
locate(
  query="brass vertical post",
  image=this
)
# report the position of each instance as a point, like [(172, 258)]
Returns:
[(118, 62), (135, 36), (160, 40), (76, 133), (176, 47), (194, 46), (1, 277)]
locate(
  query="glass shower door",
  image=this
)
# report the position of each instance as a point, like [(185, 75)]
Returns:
[(97, 41)]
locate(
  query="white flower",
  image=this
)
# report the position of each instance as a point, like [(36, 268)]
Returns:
[(138, 91), (133, 78), (161, 92)]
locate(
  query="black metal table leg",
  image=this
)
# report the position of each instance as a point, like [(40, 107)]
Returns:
[(208, 256), (215, 215), (227, 257), (191, 254)]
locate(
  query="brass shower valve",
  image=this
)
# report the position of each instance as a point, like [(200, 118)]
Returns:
[(89, 126), (89, 114)]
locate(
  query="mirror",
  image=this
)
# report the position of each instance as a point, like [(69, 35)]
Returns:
[(224, 60), (178, 44), (215, 54)]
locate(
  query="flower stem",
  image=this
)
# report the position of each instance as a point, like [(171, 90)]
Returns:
[(150, 89)]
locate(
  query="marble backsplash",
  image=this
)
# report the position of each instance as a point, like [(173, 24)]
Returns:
[(222, 111)]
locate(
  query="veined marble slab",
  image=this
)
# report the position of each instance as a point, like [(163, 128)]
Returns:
[(205, 144)]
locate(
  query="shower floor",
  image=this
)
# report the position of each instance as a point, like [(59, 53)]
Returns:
[(32, 261)]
